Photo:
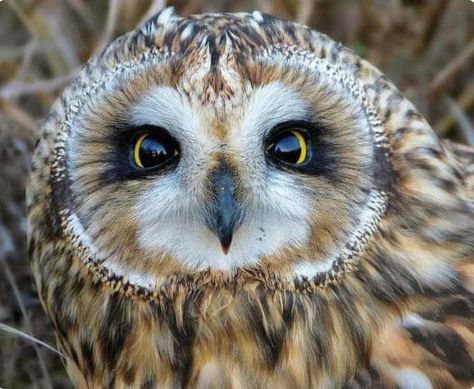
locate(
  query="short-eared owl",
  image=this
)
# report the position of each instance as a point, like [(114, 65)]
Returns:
[(236, 201)]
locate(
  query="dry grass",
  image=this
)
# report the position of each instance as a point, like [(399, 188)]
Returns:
[(424, 46)]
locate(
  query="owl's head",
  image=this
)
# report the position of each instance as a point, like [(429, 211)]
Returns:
[(224, 142)]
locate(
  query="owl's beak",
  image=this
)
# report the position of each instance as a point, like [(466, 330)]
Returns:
[(224, 219)]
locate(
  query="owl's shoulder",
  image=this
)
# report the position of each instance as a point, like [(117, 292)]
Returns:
[(465, 158), (432, 347)]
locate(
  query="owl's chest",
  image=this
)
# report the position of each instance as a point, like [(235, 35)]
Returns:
[(245, 340)]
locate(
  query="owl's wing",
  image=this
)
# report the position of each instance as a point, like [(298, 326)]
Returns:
[(433, 347), (465, 156), (430, 349)]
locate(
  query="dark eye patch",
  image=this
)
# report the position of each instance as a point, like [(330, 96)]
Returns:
[(153, 149), (290, 146), (157, 153), (284, 148)]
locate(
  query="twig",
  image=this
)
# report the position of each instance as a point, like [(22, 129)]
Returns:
[(451, 69), (14, 331), (16, 8), (155, 7), (11, 54), (62, 42), (465, 102), (30, 49), (84, 12), (16, 89), (431, 23), (112, 18), (38, 29), (462, 120), (305, 10), (20, 116), (27, 321)]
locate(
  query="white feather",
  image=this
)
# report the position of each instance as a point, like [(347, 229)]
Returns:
[(411, 379)]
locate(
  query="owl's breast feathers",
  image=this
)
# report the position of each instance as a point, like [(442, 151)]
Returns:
[(245, 331)]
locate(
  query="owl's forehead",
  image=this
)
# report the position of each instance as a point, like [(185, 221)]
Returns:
[(211, 79), (210, 71), (212, 56), (212, 84), (214, 69)]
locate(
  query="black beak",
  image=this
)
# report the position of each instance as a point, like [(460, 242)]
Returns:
[(224, 218)]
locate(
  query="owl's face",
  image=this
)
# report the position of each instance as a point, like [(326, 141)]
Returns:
[(198, 153)]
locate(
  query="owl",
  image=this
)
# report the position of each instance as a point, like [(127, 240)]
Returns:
[(237, 201)]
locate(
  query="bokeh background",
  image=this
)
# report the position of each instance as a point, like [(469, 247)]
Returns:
[(425, 46)]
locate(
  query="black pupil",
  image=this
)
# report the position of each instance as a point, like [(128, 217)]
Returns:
[(154, 151), (286, 147)]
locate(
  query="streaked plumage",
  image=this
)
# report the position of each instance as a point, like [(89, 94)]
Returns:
[(354, 270)]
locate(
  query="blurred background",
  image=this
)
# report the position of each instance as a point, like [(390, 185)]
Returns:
[(425, 46)]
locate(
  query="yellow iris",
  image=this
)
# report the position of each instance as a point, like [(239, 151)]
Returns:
[(302, 143), (136, 150)]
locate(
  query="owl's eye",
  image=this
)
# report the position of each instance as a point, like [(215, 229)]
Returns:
[(153, 149), (289, 146)]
